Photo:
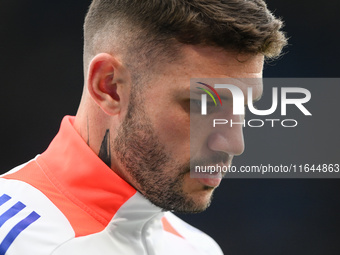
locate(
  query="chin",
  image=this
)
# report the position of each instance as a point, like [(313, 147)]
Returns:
[(203, 199), (198, 202)]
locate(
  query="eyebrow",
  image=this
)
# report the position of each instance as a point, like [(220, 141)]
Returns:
[(198, 93)]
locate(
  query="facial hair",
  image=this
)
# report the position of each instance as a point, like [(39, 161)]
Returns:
[(155, 173)]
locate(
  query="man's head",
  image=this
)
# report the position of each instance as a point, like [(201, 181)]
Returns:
[(139, 57), (146, 33)]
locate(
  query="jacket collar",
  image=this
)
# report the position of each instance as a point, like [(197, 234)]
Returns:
[(80, 174)]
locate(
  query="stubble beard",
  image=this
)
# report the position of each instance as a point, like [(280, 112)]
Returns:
[(155, 174)]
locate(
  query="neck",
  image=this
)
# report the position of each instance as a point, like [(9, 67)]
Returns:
[(94, 127), (98, 130)]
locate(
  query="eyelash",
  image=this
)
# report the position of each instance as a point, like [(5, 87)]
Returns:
[(197, 106)]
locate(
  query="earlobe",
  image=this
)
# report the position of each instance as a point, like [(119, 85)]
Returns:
[(103, 81)]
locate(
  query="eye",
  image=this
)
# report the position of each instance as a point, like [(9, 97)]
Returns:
[(196, 105)]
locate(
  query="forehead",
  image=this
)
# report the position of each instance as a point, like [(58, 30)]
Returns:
[(173, 78), (244, 70), (216, 62), (210, 62)]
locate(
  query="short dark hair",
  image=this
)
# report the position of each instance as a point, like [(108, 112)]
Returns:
[(152, 28)]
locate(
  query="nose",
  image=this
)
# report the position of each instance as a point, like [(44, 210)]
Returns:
[(228, 137)]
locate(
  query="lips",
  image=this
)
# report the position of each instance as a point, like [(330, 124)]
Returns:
[(208, 171), (210, 180)]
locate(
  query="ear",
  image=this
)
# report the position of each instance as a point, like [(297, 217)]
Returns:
[(104, 82)]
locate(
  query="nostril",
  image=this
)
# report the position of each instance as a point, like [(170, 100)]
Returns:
[(217, 142), (231, 143)]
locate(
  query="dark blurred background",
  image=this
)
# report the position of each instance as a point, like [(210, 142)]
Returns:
[(41, 81)]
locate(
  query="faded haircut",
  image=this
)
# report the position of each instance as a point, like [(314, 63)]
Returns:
[(146, 32)]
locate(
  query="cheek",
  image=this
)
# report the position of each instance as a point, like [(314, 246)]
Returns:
[(173, 129)]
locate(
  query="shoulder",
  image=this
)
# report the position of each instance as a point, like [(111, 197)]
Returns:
[(29, 221), (200, 241)]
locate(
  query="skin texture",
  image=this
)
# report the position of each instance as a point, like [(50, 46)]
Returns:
[(146, 132)]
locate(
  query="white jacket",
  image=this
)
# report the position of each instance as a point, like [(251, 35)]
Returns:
[(68, 202)]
